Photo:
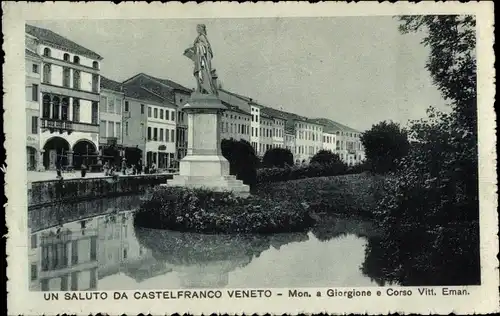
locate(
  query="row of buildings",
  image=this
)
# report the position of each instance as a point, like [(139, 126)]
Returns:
[(75, 115)]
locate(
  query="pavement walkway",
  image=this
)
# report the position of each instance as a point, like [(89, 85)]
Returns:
[(52, 175)]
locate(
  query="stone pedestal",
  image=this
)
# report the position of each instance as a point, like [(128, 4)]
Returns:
[(204, 166)]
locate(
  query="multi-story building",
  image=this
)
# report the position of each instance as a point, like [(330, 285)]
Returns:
[(69, 124), (290, 138), (308, 138), (134, 122), (255, 127), (64, 258), (33, 65), (110, 112), (166, 116), (329, 140), (265, 133), (236, 120), (278, 127), (235, 124), (347, 144)]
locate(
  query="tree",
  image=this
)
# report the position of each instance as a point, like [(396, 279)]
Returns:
[(278, 157), (385, 143), (326, 157), (242, 160), (434, 196)]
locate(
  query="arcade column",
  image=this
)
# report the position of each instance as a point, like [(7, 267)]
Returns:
[(70, 158), (39, 161)]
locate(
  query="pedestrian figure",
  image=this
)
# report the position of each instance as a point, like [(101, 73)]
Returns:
[(139, 167), (83, 170), (124, 166), (58, 168), (106, 168)]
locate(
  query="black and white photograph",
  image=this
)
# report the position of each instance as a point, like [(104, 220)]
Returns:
[(184, 158)]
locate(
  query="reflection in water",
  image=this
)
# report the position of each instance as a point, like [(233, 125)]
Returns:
[(106, 252)]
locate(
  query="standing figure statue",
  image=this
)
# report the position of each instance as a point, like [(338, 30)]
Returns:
[(201, 54)]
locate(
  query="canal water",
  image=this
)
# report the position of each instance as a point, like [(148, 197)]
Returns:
[(94, 245)]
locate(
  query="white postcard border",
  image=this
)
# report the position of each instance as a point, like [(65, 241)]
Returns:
[(482, 299)]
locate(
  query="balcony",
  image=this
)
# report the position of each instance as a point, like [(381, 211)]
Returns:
[(61, 126)]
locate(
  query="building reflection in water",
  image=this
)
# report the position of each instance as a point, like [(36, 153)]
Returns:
[(64, 258), (205, 261), (108, 252), (74, 256)]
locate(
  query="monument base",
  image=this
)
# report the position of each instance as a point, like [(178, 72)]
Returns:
[(211, 172)]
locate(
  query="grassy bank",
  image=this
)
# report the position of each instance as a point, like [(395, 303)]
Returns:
[(347, 195), (289, 206), (203, 211)]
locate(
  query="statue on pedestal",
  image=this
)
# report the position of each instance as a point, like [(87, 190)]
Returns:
[(201, 54)]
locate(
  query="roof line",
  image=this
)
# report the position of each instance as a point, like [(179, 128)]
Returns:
[(151, 92)]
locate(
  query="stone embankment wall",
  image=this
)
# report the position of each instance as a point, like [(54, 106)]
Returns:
[(43, 193)]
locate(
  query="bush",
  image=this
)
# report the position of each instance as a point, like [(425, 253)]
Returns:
[(204, 211), (277, 157), (267, 175), (242, 160), (326, 157)]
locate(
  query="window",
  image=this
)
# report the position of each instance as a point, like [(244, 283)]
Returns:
[(74, 252), (161, 134), (118, 105), (76, 79), (149, 133), (76, 59), (95, 65), (126, 106), (55, 108), (111, 129), (95, 83), (34, 92), (155, 113), (66, 77), (93, 248), (102, 128), (104, 102), (64, 109), (126, 128), (47, 73), (66, 57), (46, 52), (64, 283), (172, 135), (95, 112), (76, 110), (142, 108), (118, 130), (35, 69), (161, 114), (111, 105), (74, 281), (172, 116), (155, 133), (149, 111), (34, 272), (167, 135)]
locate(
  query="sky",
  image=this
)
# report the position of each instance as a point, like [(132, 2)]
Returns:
[(357, 71)]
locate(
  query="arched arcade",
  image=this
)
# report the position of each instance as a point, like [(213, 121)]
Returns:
[(55, 151)]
